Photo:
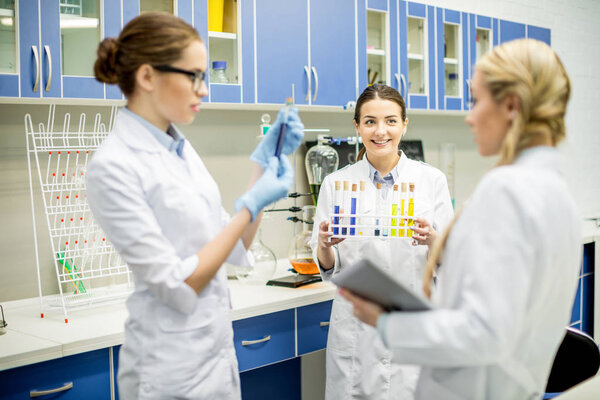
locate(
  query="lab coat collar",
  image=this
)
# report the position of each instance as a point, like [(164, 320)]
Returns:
[(396, 171), (136, 135), (547, 157)]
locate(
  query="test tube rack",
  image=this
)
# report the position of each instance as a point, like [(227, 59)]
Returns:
[(88, 268), (369, 226)]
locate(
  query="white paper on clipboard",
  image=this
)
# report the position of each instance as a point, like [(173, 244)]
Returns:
[(373, 283)]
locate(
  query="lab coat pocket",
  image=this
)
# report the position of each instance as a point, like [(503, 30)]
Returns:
[(170, 320)]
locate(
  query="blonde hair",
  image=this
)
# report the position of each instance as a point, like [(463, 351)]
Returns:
[(530, 70)]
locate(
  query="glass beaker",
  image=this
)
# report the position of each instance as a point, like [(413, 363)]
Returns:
[(300, 252), (218, 72), (265, 263), (320, 161)]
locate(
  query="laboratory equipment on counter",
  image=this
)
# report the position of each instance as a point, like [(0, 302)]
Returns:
[(320, 161), (300, 252), (265, 262), (88, 268), (390, 213), (265, 124), (3, 323), (218, 72)]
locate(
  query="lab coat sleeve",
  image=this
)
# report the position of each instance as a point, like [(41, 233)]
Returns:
[(322, 214), (495, 245), (116, 199), (443, 210), (239, 255)]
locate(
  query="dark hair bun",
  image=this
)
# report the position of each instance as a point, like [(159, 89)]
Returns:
[(105, 65)]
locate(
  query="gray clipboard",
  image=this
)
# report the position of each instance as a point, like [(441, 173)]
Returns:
[(371, 282)]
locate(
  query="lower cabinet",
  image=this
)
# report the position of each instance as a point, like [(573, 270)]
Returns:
[(81, 376)]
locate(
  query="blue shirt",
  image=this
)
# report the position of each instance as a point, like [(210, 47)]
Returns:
[(173, 140), (387, 182)]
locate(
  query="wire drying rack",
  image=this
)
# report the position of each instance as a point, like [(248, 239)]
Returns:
[(88, 269)]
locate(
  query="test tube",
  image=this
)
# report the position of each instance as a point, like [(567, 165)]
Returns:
[(361, 207), (411, 207), (394, 232), (337, 201), (280, 139), (378, 209), (353, 201), (345, 207), (402, 231)]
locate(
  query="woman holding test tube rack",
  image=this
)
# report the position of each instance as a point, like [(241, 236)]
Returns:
[(358, 365)]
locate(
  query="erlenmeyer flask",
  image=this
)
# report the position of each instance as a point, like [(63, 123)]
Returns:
[(265, 263), (300, 252)]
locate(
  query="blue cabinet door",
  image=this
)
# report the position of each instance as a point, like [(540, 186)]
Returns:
[(313, 327), (282, 51), (50, 57), (333, 71), (29, 49), (451, 67), (511, 31), (541, 34), (87, 372)]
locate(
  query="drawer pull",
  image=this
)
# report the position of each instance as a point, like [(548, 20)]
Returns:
[(250, 342), (39, 393), (323, 323)]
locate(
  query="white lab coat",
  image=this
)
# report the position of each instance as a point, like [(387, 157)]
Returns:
[(159, 210), (358, 364), (506, 286)]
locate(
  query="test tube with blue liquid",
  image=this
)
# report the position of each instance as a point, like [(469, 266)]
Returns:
[(344, 210), (337, 200), (288, 105), (353, 201), (378, 209)]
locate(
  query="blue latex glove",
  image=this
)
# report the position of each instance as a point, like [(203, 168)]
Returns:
[(273, 185), (292, 139)]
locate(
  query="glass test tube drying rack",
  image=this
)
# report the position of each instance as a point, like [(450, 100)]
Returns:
[(88, 268), (369, 226)]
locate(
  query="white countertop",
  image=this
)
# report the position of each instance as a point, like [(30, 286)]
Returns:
[(30, 339)]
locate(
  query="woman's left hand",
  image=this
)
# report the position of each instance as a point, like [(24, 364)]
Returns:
[(365, 310), (423, 232)]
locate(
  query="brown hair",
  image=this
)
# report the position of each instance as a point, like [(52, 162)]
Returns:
[(532, 71), (377, 91), (152, 38)]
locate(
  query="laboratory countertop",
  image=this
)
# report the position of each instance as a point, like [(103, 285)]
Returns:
[(30, 339)]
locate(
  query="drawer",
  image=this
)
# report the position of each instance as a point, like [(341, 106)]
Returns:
[(88, 372), (313, 327), (264, 339)]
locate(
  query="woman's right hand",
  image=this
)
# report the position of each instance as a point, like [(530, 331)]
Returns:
[(324, 237)]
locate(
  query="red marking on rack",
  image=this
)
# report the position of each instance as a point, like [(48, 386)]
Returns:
[(71, 219), (68, 152), (67, 197), (62, 220), (54, 174), (103, 239), (81, 218), (66, 243), (57, 197), (76, 242)]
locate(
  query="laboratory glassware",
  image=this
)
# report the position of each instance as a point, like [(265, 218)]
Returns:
[(88, 268), (300, 252), (320, 161), (218, 72), (3, 323), (265, 262)]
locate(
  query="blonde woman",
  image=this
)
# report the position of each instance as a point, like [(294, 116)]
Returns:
[(508, 272)]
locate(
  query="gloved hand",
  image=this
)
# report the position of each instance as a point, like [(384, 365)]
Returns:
[(273, 185), (292, 139)]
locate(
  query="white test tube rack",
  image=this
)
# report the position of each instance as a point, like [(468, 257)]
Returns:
[(86, 263), (366, 226)]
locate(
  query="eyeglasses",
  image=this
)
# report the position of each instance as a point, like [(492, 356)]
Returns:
[(197, 77)]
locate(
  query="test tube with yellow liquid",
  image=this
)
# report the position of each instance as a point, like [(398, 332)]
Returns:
[(403, 195), (394, 232), (411, 207)]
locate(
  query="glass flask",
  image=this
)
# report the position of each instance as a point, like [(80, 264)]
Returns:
[(320, 161), (265, 263), (218, 72), (300, 252)]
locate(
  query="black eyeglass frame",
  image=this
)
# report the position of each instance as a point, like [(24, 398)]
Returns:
[(197, 77)]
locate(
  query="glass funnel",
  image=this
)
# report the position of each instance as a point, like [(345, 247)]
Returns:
[(300, 252), (320, 161)]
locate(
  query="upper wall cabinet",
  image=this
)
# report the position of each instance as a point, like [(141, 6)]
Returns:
[(541, 34), (321, 68), (452, 56), (483, 35)]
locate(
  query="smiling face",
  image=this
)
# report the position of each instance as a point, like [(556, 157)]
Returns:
[(173, 95), (381, 127), (488, 119)]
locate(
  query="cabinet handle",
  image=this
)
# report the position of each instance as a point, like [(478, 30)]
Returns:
[(250, 342), (37, 68), (49, 55), (323, 323), (468, 91), (403, 79), (38, 393), (314, 70), (398, 81), (307, 72)]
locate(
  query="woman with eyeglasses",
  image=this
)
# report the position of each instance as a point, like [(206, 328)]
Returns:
[(155, 200)]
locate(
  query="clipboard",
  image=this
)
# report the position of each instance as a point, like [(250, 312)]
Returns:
[(373, 283)]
